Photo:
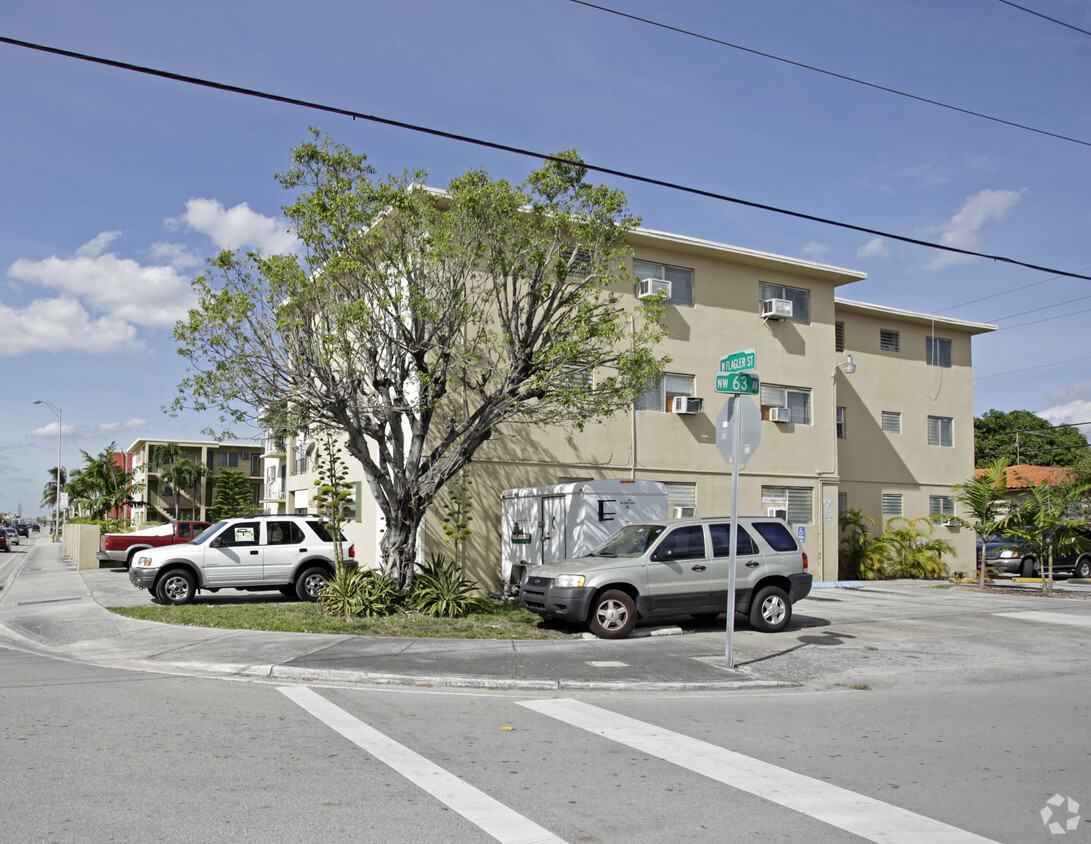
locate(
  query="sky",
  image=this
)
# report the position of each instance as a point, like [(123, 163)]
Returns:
[(116, 187)]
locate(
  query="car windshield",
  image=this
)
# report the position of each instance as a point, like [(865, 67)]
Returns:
[(631, 541), (207, 533)]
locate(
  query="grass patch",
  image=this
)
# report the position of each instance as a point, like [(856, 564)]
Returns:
[(494, 620)]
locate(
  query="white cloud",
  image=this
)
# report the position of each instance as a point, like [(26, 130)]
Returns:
[(90, 432), (50, 431), (63, 325), (815, 250), (963, 231), (1076, 413), (874, 248), (238, 227), (173, 254), (1079, 390), (154, 296)]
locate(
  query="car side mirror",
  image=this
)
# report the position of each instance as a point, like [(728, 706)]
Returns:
[(217, 542)]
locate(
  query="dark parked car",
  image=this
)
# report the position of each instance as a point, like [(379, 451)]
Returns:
[(22, 529), (4, 544), (1008, 556)]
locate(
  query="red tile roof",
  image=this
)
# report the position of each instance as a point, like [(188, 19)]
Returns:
[(1023, 476)]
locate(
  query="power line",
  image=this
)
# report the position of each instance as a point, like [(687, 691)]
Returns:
[(1036, 310), (1030, 368), (831, 73), (609, 171), (1044, 17)]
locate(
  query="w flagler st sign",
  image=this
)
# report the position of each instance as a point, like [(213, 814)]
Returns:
[(738, 434)]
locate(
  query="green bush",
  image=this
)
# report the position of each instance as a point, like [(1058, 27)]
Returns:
[(440, 589), (360, 592)]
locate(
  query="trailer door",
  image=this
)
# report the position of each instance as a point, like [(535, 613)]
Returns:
[(554, 511)]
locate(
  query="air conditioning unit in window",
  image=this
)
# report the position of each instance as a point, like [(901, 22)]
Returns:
[(777, 513), (687, 404), (776, 309), (646, 288), (780, 414), (681, 512), (244, 455), (949, 522)]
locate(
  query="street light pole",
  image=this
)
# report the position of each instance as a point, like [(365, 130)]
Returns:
[(57, 492)]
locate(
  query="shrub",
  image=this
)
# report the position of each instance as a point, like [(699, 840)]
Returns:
[(441, 590), (344, 593)]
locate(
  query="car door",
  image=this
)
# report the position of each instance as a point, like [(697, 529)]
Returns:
[(749, 563), (234, 556), (679, 573), (285, 544)]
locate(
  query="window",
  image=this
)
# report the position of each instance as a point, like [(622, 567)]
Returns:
[(941, 505), (937, 351), (681, 495), (796, 500), (284, 533), (577, 378), (659, 396), (889, 340), (796, 399), (255, 466), (680, 278), (839, 336), (892, 504), (800, 299), (840, 423), (842, 502), (685, 543), (244, 533), (776, 535), (227, 459), (300, 463), (940, 431), (892, 422), (721, 541)]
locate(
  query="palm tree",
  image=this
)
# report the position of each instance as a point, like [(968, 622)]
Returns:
[(49, 492), (863, 554), (1049, 522), (983, 496), (102, 485), (163, 459)]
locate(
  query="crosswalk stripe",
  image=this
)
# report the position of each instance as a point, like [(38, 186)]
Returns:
[(490, 815), (1049, 618), (856, 813)]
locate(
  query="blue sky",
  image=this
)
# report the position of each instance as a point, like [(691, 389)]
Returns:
[(116, 186)]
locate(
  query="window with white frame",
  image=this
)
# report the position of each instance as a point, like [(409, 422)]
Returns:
[(941, 505), (937, 351), (892, 422), (659, 395), (892, 504), (941, 431), (796, 399), (681, 280), (681, 499), (796, 501), (577, 378), (798, 296), (839, 336), (840, 423), (890, 340)]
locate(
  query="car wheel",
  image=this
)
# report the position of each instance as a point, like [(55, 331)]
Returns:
[(1082, 569), (770, 610), (177, 586), (129, 559), (613, 615), (1027, 569), (311, 583)]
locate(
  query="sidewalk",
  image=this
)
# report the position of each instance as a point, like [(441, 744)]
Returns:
[(49, 607)]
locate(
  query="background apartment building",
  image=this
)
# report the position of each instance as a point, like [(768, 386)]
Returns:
[(887, 431), (193, 502)]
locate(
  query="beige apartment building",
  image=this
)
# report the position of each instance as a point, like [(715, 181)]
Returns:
[(194, 503), (862, 407)]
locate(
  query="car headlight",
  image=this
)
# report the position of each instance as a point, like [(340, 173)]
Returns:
[(143, 561), (1009, 553), (569, 581)]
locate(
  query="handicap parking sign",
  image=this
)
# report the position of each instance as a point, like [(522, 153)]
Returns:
[(801, 533)]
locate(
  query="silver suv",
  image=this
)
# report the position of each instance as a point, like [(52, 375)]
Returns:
[(294, 554), (674, 568)]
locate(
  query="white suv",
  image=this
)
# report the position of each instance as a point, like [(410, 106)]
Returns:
[(294, 554), (678, 567)]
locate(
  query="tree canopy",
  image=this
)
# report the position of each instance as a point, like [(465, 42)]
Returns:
[(417, 321), (1022, 437)]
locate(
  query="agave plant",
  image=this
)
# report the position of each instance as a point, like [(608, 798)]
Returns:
[(344, 594), (441, 590)]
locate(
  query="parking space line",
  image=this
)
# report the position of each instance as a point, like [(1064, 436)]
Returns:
[(855, 813), (490, 815), (1049, 618)]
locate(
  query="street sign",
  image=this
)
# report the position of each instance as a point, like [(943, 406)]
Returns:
[(739, 362), (737, 382), (745, 414)]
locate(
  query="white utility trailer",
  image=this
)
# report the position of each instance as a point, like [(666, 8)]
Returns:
[(548, 523)]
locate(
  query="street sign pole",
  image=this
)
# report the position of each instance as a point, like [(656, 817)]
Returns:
[(736, 461)]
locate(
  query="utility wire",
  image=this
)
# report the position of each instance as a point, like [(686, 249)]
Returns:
[(1002, 293), (609, 171), (831, 73), (1031, 369), (1036, 310), (1044, 17)]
